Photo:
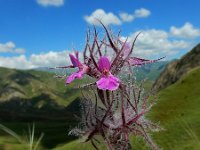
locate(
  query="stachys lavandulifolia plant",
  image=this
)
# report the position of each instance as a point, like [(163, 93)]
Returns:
[(113, 109)]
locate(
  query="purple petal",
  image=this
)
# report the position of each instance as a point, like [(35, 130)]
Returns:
[(104, 63), (74, 60), (77, 75), (134, 61), (108, 83)]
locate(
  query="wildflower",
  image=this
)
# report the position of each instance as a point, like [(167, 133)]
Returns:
[(107, 81), (123, 110), (83, 69)]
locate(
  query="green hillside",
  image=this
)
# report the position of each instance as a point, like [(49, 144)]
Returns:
[(30, 84), (177, 110)]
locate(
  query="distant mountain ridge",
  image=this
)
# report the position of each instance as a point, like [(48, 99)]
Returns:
[(150, 71), (32, 94), (177, 68)]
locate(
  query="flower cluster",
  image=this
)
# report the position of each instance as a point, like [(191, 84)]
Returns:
[(115, 108), (96, 64)]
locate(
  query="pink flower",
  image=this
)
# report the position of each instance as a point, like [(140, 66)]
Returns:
[(107, 81), (83, 69)]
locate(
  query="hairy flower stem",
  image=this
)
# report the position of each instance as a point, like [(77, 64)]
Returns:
[(115, 108)]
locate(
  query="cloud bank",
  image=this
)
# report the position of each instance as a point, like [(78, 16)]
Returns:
[(151, 44), (155, 43), (186, 31), (50, 59), (109, 18)]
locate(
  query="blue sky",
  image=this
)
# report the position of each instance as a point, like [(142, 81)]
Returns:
[(35, 33)]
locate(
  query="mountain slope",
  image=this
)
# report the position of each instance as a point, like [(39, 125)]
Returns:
[(27, 84), (178, 112), (30, 95), (176, 69)]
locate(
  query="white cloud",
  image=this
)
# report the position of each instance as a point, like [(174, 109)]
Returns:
[(139, 13), (19, 62), (46, 3), (111, 18), (10, 47), (157, 43), (126, 17), (50, 59), (186, 31), (142, 13), (106, 18)]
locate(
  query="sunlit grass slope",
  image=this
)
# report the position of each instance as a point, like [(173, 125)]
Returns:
[(177, 110)]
